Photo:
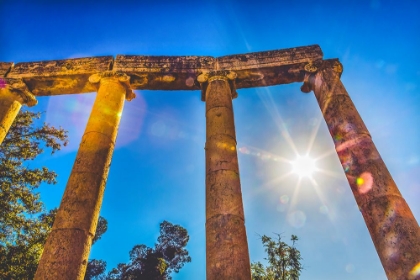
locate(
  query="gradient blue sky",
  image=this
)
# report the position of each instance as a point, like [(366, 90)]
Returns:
[(157, 171)]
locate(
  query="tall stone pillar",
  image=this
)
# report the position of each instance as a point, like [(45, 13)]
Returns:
[(226, 242), (391, 224), (13, 94), (68, 245)]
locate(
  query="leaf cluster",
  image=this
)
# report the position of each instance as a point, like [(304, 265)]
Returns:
[(169, 255), (22, 230), (24, 225), (20, 260), (18, 181), (284, 260)]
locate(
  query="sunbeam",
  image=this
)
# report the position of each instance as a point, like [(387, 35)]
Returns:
[(272, 109), (326, 154), (313, 135), (267, 185), (295, 192), (263, 154), (330, 173)]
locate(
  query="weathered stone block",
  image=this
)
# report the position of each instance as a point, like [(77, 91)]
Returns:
[(164, 72), (225, 243), (221, 153), (270, 67), (4, 68), (95, 153), (56, 77), (223, 194), (81, 203), (216, 95), (218, 122), (68, 252)]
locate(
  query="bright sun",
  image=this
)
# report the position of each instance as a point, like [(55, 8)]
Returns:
[(304, 166)]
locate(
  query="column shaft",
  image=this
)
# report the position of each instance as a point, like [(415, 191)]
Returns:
[(391, 224), (226, 242), (68, 245), (12, 96), (9, 108)]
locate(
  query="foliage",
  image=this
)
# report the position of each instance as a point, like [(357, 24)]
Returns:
[(22, 234), (24, 226), (101, 228), (20, 260), (284, 261), (169, 255), (95, 270), (18, 181)]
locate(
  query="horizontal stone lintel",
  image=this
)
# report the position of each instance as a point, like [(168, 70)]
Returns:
[(256, 69), (55, 77)]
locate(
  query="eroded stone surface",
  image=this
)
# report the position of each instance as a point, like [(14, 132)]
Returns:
[(69, 248), (226, 258), (13, 94), (5, 67), (70, 76), (392, 226), (273, 58), (226, 243), (56, 77), (163, 72), (270, 67), (77, 217), (10, 105)]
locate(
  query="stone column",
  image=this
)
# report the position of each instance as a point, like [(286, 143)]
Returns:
[(391, 224), (68, 245), (226, 242), (13, 94)]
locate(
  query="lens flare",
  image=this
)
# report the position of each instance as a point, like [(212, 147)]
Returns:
[(304, 166), (350, 268), (414, 272), (284, 199), (296, 219), (364, 182), (323, 209)]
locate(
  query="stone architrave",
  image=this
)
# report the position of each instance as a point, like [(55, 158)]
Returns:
[(226, 242), (13, 94), (68, 245), (391, 224)]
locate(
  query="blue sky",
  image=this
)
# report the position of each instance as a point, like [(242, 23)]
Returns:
[(157, 171)]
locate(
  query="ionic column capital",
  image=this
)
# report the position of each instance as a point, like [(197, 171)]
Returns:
[(316, 73), (121, 77), (206, 78), (19, 90)]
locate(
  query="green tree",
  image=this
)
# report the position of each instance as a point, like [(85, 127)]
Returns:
[(284, 261), (20, 228), (20, 260), (95, 270), (24, 224), (169, 255), (18, 181)]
